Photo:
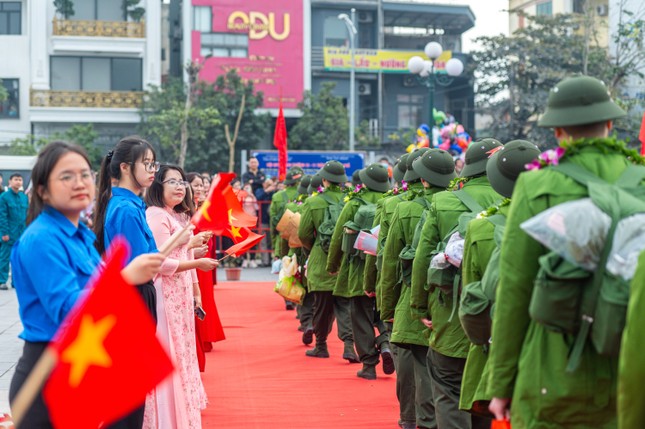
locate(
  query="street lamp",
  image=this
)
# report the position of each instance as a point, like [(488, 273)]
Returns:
[(351, 28), (426, 75)]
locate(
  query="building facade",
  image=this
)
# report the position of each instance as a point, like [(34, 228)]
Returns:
[(87, 64), (289, 46)]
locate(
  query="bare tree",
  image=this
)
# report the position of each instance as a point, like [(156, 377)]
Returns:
[(231, 141)]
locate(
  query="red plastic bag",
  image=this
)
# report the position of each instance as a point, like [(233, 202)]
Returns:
[(500, 424)]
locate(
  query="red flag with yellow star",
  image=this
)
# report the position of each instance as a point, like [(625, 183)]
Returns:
[(244, 240), (109, 357), (222, 209)]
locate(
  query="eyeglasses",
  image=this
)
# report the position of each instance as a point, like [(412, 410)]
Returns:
[(151, 167), (69, 179), (176, 183)]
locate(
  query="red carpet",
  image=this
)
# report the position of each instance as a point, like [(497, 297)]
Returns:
[(259, 376)]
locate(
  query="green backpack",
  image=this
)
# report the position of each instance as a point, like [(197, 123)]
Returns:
[(363, 220), (478, 298), (326, 228), (448, 279), (569, 299), (407, 254)]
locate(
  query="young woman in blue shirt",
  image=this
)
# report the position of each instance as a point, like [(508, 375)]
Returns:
[(63, 185)]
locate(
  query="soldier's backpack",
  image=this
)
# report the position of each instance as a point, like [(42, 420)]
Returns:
[(448, 278), (326, 228), (362, 221), (572, 300), (477, 300), (407, 254)]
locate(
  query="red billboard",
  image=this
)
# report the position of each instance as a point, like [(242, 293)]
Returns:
[(262, 39)]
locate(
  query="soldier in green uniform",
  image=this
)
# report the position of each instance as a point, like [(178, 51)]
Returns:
[(436, 169), (319, 281), (528, 361), (343, 257), (356, 178), (279, 201), (448, 342), (502, 168)]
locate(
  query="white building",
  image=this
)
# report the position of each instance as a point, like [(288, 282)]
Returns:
[(89, 67)]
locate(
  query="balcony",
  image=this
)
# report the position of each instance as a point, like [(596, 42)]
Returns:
[(84, 99), (134, 30)]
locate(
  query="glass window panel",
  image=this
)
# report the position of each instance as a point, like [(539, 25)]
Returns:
[(96, 74), (205, 51), (335, 32), (14, 23), (66, 73), (238, 53), (544, 8), (84, 10), (4, 23), (127, 74), (110, 10), (202, 19), (403, 98), (220, 52), (10, 108), (11, 6)]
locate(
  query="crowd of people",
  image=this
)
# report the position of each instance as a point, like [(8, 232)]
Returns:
[(477, 295)]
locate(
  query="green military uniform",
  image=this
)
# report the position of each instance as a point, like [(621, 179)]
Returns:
[(278, 202), (414, 387), (320, 282), (448, 342), (631, 396), (502, 169), (527, 361)]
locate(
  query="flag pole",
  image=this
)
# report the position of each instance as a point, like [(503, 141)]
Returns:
[(32, 385)]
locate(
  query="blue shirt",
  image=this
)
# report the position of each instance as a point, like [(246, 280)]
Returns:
[(126, 216), (52, 262), (13, 213)]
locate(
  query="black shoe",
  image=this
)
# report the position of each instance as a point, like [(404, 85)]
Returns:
[(388, 360), (4, 287), (308, 336), (349, 354), (290, 305), (301, 328), (368, 373), (317, 352)]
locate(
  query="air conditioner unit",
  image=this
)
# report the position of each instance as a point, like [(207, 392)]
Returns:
[(364, 89), (365, 17), (602, 10), (409, 81)]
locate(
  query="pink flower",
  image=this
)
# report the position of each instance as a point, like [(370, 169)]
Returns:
[(320, 189), (533, 165), (358, 188), (404, 185)]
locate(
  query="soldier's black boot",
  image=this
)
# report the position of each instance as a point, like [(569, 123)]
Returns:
[(349, 354), (320, 351), (368, 372)]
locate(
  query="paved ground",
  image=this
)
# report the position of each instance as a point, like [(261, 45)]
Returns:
[(10, 327)]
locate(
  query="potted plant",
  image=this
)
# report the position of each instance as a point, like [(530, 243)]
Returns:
[(233, 268)]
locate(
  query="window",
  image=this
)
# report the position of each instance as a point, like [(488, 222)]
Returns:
[(335, 33), (225, 45), (410, 108), (203, 19), (545, 8), (578, 6), (96, 74), (10, 108), (98, 10), (10, 17)]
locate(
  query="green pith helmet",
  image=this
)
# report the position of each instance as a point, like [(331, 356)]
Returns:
[(579, 100), (375, 177), (356, 179), (410, 174), (293, 175), (304, 184), (477, 155), (436, 167), (400, 168), (316, 182), (334, 172), (507, 163)]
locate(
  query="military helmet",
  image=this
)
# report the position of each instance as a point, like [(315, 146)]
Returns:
[(436, 167), (334, 172), (293, 175), (477, 155), (507, 163), (410, 174), (304, 184), (375, 178), (579, 100), (400, 168), (356, 179), (316, 182)]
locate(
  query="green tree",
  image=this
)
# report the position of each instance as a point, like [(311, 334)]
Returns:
[(324, 123), (65, 8), (3, 92), (132, 9), (365, 137), (515, 73)]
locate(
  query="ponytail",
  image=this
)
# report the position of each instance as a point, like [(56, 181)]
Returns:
[(102, 199)]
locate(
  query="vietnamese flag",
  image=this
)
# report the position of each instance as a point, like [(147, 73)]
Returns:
[(244, 240), (641, 137), (109, 357), (280, 143), (222, 208)]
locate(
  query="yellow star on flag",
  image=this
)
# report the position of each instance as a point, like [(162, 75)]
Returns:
[(231, 218), (204, 210), (235, 232), (88, 349)]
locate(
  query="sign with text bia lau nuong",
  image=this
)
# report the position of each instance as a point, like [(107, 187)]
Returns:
[(374, 60), (262, 40), (309, 161)]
